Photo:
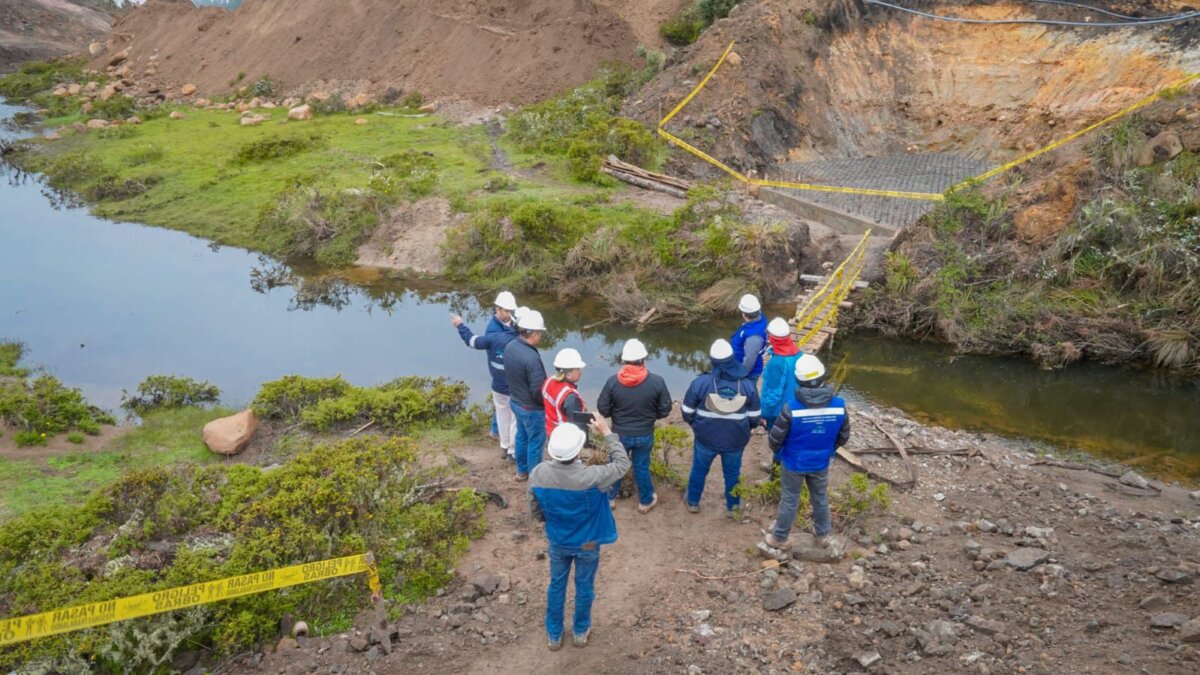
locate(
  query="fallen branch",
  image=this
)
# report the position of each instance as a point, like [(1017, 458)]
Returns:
[(364, 427), (1075, 466), (908, 463), (773, 564), (916, 451), (857, 463)]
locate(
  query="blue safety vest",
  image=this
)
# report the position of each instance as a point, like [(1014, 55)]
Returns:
[(738, 341), (812, 438)]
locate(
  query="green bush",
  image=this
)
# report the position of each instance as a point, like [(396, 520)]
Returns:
[(408, 175), (118, 107), (76, 437), (40, 76), (264, 87), (276, 147), (25, 439), (45, 406), (328, 404), (225, 520), (682, 29), (10, 355), (158, 392), (314, 222)]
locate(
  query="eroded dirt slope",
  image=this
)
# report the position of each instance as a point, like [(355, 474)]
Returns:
[(41, 29), (490, 52)]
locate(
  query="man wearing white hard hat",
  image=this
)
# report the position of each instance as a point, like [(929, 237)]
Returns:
[(809, 429), (525, 374), (560, 393), (501, 330), (572, 499), (721, 406), (635, 399), (778, 382), (749, 341)]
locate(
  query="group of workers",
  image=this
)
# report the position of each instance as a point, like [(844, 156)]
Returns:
[(542, 423)]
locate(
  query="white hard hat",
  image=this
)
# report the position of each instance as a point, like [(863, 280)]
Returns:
[(568, 359), (809, 368), (565, 442), (749, 304), (779, 327), (531, 319), (505, 300), (721, 349), (633, 350), (519, 311)]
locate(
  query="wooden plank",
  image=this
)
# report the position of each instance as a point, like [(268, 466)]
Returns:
[(814, 279)]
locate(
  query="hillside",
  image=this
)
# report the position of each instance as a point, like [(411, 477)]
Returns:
[(42, 29), (514, 52)]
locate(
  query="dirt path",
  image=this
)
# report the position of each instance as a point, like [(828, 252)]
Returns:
[(994, 563)]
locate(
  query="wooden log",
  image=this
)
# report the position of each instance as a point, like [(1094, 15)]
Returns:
[(814, 279), (908, 463), (645, 183)]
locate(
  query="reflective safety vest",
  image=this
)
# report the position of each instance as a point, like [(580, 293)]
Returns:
[(812, 438), (738, 342), (554, 392)]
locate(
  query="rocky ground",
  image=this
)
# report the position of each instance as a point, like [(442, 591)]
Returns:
[(993, 563), (43, 29)]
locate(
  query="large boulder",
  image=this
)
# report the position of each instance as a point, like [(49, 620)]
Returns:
[(1161, 148), (230, 435), (95, 49), (303, 112), (187, 89)]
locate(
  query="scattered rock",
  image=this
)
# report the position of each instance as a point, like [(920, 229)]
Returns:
[(1195, 495), (428, 108), (1038, 532), (359, 644), (253, 120), (701, 615), (703, 634), (1170, 576), (486, 584), (230, 435), (779, 599), (202, 103), (176, 115), (96, 49), (1161, 148), (97, 124), (1153, 602), (1133, 479), (939, 497), (187, 89), (60, 92), (133, 119), (865, 659), (287, 644), (1026, 558), (1190, 631), (985, 626), (358, 100), (117, 58), (303, 112), (1168, 620), (361, 121), (857, 577)]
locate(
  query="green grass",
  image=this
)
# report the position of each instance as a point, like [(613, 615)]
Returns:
[(164, 438), (205, 189)]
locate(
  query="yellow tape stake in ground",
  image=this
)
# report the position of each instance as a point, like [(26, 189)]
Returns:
[(68, 619)]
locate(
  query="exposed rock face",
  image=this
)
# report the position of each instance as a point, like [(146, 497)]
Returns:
[(230, 435)]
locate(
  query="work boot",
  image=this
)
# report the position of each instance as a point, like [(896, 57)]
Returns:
[(555, 645), (645, 508), (522, 477), (581, 640), (773, 542), (692, 508)]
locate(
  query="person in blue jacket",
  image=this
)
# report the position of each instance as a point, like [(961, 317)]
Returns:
[(778, 381), (807, 432), (722, 407), (572, 499), (501, 330), (749, 341)]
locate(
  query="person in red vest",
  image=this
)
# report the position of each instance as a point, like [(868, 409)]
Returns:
[(560, 394)]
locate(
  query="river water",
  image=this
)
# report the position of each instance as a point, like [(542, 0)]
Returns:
[(103, 304)]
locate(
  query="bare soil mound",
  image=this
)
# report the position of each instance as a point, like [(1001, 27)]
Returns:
[(42, 29), (518, 51)]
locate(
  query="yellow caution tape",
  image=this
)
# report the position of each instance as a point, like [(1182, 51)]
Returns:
[(1067, 139), (69, 619), (838, 285), (899, 194)]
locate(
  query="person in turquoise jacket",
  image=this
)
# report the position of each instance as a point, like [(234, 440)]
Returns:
[(778, 380)]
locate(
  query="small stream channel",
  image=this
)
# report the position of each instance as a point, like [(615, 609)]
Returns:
[(103, 304)]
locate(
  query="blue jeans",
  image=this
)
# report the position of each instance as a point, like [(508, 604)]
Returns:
[(702, 459), (531, 437), (639, 448), (586, 564), (790, 483)]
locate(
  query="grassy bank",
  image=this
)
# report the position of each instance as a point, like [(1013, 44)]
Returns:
[(154, 509), (1118, 282)]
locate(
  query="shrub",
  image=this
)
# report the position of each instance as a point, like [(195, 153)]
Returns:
[(276, 147), (328, 404), (682, 29), (75, 437), (45, 406), (319, 223), (224, 520), (117, 107), (10, 355), (39, 76), (264, 87), (25, 439), (409, 175), (284, 399), (158, 392)]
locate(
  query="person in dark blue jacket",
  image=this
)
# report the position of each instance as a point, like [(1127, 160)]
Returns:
[(525, 374), (809, 430), (722, 407), (501, 330), (749, 341), (572, 499)]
